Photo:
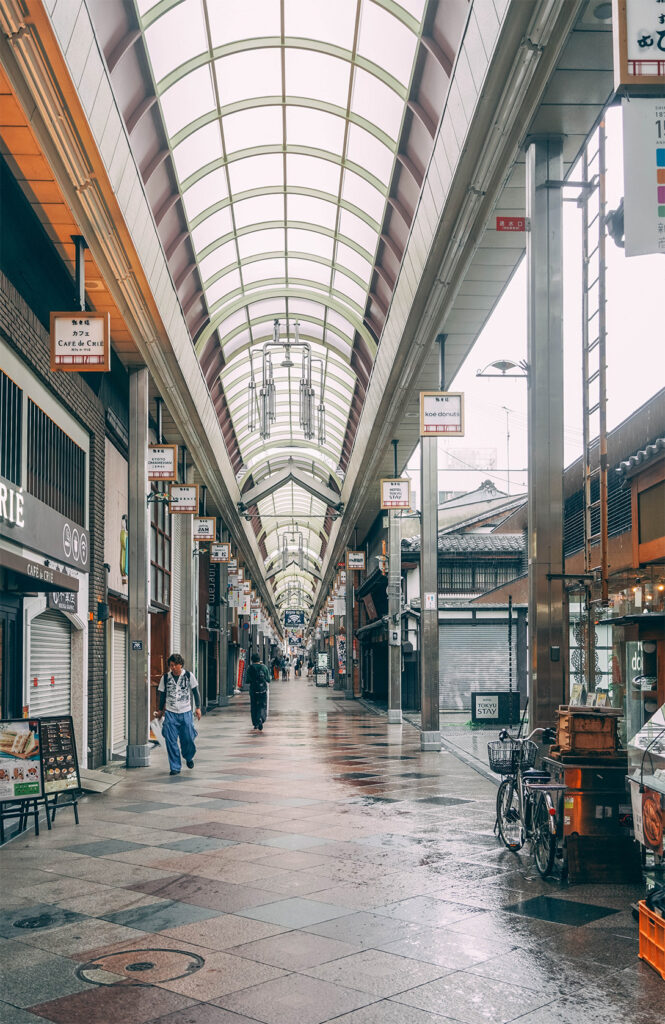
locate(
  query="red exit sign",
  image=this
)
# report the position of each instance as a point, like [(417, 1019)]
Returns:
[(511, 223)]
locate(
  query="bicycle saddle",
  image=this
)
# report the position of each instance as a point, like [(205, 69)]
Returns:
[(535, 774)]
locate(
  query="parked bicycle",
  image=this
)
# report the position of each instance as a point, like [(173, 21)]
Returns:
[(525, 807)]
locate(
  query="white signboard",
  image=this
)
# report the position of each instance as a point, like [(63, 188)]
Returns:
[(184, 498), (644, 174), (441, 414), (81, 342), (246, 586), (487, 706), (430, 602), (395, 494), (204, 528), (255, 616), (339, 608), (162, 462), (220, 552), (245, 606), (639, 42), (355, 560)]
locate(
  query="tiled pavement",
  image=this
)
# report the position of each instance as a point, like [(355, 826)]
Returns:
[(324, 870)]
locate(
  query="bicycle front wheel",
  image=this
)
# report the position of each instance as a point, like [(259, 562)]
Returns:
[(508, 815), (543, 843)]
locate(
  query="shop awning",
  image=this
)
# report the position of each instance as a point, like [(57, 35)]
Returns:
[(34, 576)]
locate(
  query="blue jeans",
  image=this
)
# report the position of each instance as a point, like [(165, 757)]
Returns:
[(179, 727)]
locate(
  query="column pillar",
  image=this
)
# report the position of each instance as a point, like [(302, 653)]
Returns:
[(349, 595), (223, 627), (189, 627), (430, 735), (394, 620), (544, 250), (138, 694)]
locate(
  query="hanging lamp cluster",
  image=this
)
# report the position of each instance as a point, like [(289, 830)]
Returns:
[(262, 401)]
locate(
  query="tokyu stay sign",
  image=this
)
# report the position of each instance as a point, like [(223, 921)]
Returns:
[(396, 493), (441, 414)]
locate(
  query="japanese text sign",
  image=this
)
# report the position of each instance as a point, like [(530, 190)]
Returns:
[(204, 527), (355, 560), (395, 494), (220, 552), (294, 618), (639, 42), (511, 223), (81, 342), (184, 498), (644, 174), (163, 462), (441, 414)]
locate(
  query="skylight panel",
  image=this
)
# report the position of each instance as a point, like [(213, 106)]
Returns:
[(188, 99), (214, 227), (256, 172), (223, 288), (205, 193), (330, 22), (258, 210), (312, 172), (266, 307), (232, 21), (261, 270), (349, 289), (386, 41), (336, 343), (304, 307), (258, 126), (249, 74), (356, 229), (197, 150), (309, 270), (363, 195), (224, 256), (341, 323), (311, 210), (365, 149), (413, 7), (317, 76), (176, 37), (233, 320), (377, 103), (313, 242), (348, 259), (256, 242), (306, 126)]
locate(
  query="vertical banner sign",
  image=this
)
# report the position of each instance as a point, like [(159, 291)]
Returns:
[(639, 42), (396, 493), (20, 760), (644, 173), (241, 666), (341, 653), (81, 342), (355, 560), (184, 498), (163, 462), (441, 414), (204, 528)]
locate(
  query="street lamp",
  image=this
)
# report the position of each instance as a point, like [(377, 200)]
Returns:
[(501, 368)]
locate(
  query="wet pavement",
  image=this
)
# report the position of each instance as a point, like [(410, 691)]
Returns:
[(323, 870)]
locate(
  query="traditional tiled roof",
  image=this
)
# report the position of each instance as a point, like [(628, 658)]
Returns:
[(472, 543), (641, 458)]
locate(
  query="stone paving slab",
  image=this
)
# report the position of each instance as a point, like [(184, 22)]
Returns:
[(323, 870)]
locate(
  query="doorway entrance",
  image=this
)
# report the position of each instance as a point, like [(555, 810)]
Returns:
[(11, 660)]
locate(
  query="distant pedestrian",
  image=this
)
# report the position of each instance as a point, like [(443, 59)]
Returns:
[(178, 690), (258, 678)]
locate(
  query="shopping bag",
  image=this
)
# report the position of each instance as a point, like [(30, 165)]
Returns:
[(156, 737)]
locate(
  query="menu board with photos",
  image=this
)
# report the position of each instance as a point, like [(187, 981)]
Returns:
[(59, 761), (20, 754)]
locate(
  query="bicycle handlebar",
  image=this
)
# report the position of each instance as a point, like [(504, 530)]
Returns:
[(549, 735)]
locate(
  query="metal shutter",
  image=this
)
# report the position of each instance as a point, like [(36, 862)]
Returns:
[(472, 656), (176, 576), (119, 696), (50, 659)]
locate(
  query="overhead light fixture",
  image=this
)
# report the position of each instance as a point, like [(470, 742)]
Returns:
[(262, 410)]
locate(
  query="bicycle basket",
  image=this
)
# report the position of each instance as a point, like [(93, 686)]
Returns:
[(504, 757)]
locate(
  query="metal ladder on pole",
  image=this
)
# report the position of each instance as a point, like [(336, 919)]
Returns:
[(592, 203)]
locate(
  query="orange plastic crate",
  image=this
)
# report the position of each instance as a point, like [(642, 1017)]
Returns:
[(652, 939)]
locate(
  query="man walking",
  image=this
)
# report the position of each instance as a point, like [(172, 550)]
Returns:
[(177, 689), (258, 678)]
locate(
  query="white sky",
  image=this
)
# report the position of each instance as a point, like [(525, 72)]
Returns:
[(635, 349)]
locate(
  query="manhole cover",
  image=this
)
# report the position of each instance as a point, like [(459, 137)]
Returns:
[(143, 966)]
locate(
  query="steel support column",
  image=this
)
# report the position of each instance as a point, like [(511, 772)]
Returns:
[(188, 598), (349, 632), (138, 694), (430, 736), (544, 249), (394, 620)]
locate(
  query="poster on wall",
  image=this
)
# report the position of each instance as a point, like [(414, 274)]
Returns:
[(60, 768), (20, 759)]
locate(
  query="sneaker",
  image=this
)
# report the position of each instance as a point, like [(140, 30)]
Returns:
[(174, 772), (190, 764)]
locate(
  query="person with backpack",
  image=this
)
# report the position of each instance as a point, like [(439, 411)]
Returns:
[(178, 690), (258, 678)]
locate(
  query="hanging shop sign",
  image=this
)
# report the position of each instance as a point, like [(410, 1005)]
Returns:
[(396, 493), (60, 767), (184, 498), (441, 414), (294, 618), (355, 560), (81, 342), (639, 42), (246, 586), (339, 607), (220, 552), (20, 759), (255, 615), (245, 606), (162, 462), (63, 601), (644, 174), (204, 527)]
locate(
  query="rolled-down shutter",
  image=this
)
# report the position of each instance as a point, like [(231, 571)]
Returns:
[(473, 656), (119, 699), (50, 664)]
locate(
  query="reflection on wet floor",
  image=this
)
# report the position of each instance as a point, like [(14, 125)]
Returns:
[(322, 870)]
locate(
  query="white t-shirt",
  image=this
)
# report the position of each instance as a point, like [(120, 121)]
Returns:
[(178, 691)]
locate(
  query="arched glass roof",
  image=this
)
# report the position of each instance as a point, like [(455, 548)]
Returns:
[(284, 118)]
